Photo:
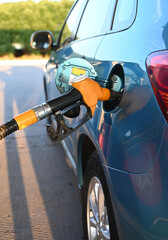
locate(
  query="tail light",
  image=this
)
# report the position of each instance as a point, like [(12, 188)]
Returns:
[(157, 67)]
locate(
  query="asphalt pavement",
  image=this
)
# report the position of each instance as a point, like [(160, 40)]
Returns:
[(39, 197)]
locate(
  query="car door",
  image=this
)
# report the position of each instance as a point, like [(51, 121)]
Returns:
[(80, 37), (64, 50)]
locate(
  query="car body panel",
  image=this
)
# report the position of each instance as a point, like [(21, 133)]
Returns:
[(141, 202), (132, 135)]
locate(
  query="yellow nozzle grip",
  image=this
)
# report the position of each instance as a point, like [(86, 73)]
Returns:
[(26, 119), (91, 92)]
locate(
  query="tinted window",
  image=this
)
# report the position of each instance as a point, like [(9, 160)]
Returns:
[(96, 19), (71, 25), (125, 14)]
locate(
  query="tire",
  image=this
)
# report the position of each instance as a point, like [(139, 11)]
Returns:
[(98, 219)]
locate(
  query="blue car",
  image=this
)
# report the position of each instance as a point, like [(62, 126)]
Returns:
[(120, 156)]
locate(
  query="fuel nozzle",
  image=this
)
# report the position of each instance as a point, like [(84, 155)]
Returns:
[(76, 77), (85, 91), (91, 91)]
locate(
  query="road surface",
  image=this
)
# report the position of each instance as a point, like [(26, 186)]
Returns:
[(39, 198)]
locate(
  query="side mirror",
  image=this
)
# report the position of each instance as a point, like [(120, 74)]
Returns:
[(42, 40)]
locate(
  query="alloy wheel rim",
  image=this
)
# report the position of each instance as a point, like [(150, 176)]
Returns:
[(97, 216)]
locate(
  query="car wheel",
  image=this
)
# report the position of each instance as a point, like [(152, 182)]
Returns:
[(98, 216)]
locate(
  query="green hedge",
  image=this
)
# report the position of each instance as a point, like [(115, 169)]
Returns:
[(19, 20)]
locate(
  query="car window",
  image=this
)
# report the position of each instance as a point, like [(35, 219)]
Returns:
[(124, 15), (96, 19), (72, 22)]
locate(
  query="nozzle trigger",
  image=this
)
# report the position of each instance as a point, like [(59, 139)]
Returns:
[(63, 130)]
